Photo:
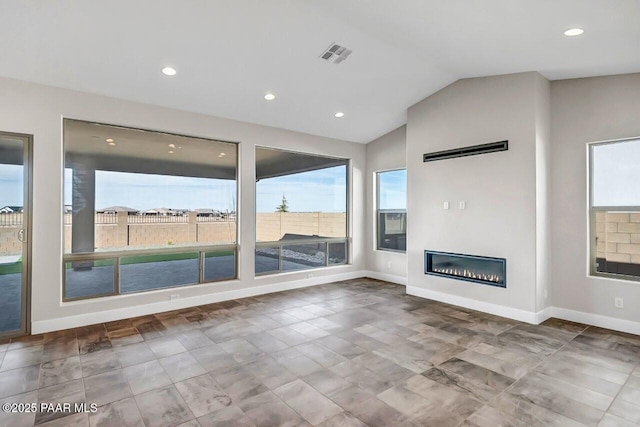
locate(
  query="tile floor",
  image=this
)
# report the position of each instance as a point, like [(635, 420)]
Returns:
[(353, 353)]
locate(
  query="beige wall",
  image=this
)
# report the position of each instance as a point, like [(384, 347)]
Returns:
[(9, 243), (618, 236), (272, 226), (38, 110), (385, 153), (583, 111), (269, 227), (499, 189)]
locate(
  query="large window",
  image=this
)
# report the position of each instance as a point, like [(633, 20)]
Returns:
[(145, 210), (301, 211), (615, 208), (391, 211)]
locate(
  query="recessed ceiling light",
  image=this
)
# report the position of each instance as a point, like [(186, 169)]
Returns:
[(113, 144), (169, 71), (172, 145), (339, 114), (170, 151), (109, 140), (572, 32), (269, 97), (222, 154)]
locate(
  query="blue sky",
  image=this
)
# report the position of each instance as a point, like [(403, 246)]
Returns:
[(321, 190), (393, 189), (616, 174), (11, 191)]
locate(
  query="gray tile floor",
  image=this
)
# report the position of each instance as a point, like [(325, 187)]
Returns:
[(353, 353)]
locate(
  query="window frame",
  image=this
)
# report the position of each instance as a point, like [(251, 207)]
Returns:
[(378, 211), (348, 230), (592, 212), (115, 256)]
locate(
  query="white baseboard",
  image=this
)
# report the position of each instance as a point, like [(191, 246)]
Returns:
[(486, 307), (42, 326), (544, 314), (398, 280), (606, 322)]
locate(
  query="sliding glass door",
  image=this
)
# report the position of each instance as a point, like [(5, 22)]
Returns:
[(14, 234)]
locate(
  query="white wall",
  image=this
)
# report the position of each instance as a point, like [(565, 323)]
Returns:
[(499, 188), (38, 110), (385, 153), (543, 191), (583, 111)]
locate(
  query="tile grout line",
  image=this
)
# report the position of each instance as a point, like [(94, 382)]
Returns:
[(544, 359)]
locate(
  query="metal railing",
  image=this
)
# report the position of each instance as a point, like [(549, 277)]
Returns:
[(158, 219), (302, 254), (115, 258)]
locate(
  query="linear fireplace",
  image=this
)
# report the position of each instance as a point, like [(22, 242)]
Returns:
[(472, 268)]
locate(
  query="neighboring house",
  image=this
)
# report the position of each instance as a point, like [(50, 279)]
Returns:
[(162, 212), (207, 212), (11, 209), (116, 209)]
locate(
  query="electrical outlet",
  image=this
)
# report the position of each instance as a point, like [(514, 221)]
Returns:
[(619, 302), (463, 205), (445, 206), (389, 265), (175, 297)]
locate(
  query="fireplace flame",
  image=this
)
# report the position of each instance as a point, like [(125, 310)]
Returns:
[(495, 278)]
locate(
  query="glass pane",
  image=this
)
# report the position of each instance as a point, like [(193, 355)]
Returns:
[(219, 266), (392, 189), (88, 279), (11, 222), (267, 260), (616, 173), (11, 288), (134, 189), (299, 195), (392, 230), (303, 256), (337, 253), (143, 273), (618, 243)]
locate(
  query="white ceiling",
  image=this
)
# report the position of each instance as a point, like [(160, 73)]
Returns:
[(230, 53)]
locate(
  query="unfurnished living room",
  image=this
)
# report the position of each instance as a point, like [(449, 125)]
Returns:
[(320, 213)]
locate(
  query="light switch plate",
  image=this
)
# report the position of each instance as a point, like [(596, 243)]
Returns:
[(463, 205), (446, 205)]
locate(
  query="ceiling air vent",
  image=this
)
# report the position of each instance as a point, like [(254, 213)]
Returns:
[(335, 53)]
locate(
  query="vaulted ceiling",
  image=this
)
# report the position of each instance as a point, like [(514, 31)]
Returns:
[(229, 54)]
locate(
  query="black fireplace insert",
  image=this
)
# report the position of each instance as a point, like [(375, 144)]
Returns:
[(471, 268)]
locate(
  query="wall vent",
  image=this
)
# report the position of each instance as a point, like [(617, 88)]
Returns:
[(335, 53), (472, 150)]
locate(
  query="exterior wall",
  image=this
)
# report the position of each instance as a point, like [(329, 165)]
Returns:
[(37, 110), (269, 226), (273, 226), (385, 153), (583, 111), (618, 236), (9, 240)]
